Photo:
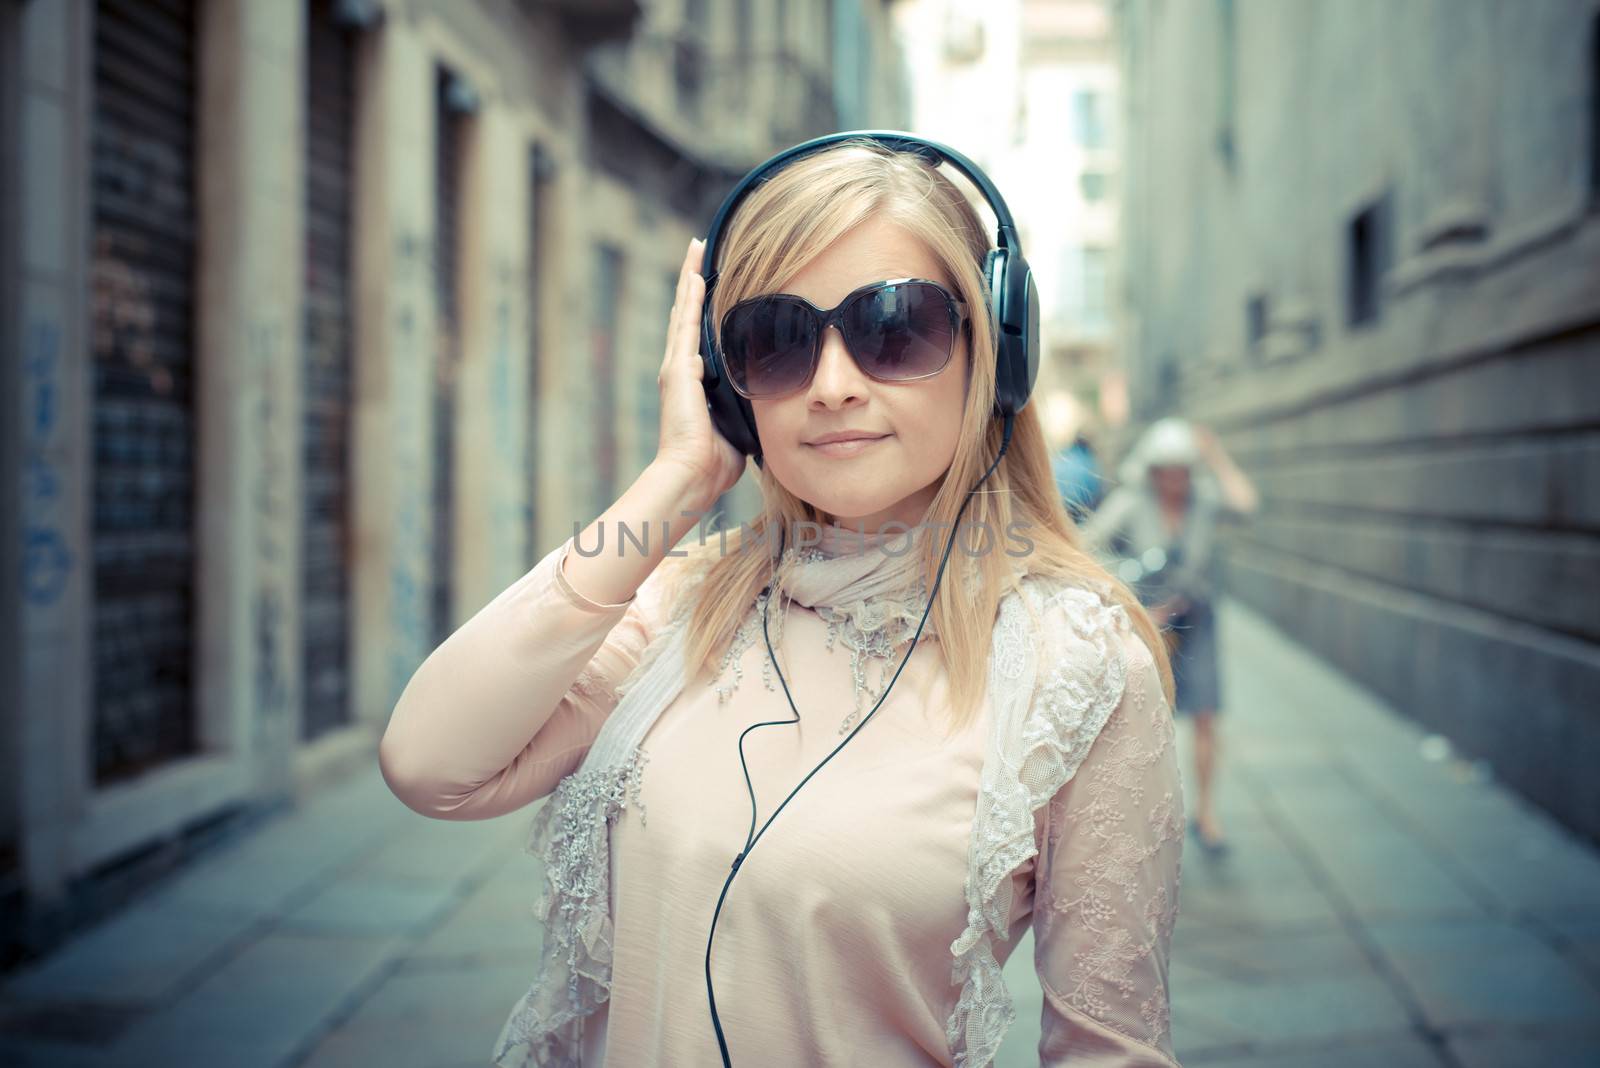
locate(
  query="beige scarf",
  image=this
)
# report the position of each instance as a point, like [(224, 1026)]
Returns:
[(867, 588)]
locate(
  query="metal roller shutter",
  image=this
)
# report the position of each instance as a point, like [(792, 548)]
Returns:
[(330, 147), (603, 340), (447, 147), (143, 205), (540, 172)]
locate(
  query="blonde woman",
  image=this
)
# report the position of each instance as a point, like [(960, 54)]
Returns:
[(1017, 771)]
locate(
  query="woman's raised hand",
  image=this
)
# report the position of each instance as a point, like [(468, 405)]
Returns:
[(688, 439)]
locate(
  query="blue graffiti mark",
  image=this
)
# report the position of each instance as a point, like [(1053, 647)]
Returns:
[(271, 676), (44, 398), (409, 619), (40, 479), (408, 616), (272, 691), (46, 564), (507, 534), (46, 561)]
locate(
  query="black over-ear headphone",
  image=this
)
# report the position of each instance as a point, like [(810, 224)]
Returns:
[(1016, 320), (1013, 296)]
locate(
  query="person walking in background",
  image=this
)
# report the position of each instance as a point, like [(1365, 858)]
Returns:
[(1078, 478), (1160, 523), (1073, 460)]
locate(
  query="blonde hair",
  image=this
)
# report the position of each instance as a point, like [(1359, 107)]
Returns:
[(780, 227)]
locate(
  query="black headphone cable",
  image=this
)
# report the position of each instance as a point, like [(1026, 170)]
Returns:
[(754, 836)]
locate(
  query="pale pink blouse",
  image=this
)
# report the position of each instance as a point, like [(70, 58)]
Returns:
[(834, 944)]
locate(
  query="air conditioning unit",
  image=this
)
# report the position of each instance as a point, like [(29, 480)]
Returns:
[(963, 38)]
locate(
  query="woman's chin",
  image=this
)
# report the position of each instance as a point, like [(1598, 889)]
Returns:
[(848, 513)]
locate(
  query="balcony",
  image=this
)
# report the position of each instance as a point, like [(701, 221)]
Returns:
[(591, 22)]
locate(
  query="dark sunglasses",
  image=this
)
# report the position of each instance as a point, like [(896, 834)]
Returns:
[(897, 330)]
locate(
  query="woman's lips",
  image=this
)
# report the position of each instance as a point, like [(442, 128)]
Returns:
[(847, 448)]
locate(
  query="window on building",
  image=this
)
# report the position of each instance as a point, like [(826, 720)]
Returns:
[(688, 58), (963, 37), (1594, 113), (1088, 106), (1094, 185), (1255, 317), (743, 37), (143, 414), (1096, 262), (603, 369), (541, 172), (454, 100), (327, 325), (647, 395), (1169, 378), (1367, 261), (1227, 78)]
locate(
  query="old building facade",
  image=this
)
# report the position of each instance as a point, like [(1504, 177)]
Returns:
[(1027, 89), (330, 318), (1361, 240)]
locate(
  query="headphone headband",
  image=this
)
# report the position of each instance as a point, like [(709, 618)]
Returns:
[(898, 140)]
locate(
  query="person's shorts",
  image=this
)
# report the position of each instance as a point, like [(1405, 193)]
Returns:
[(1194, 665)]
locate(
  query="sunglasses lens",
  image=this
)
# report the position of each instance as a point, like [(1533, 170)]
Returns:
[(767, 345), (901, 331)]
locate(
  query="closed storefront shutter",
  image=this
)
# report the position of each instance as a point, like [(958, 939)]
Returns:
[(603, 366), (144, 390), (540, 171), (446, 232), (327, 564)]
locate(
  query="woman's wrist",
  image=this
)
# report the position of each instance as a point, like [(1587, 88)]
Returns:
[(676, 482), (620, 549)]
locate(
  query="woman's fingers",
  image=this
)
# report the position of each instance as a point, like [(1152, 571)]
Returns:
[(683, 323), (691, 325), (688, 327), (674, 318)]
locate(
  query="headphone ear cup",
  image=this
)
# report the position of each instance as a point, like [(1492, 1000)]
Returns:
[(731, 414), (994, 273), (1027, 291), (994, 276), (1010, 294)]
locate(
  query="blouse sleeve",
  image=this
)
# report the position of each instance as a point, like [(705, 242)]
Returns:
[(1106, 891), (508, 704)]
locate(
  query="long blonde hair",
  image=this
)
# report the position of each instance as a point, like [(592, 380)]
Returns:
[(780, 227)]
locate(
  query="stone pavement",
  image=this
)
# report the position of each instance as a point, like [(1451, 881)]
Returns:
[(1384, 905)]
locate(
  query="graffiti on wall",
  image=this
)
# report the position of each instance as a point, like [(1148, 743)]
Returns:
[(507, 492), (46, 559), (409, 402), (265, 350)]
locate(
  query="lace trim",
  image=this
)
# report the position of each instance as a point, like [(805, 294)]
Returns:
[(1041, 735), (569, 833), (1106, 966), (876, 633)]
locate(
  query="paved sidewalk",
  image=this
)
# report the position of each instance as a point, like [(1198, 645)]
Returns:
[(1383, 905)]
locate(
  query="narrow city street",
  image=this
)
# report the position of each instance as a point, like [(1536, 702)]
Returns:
[(1383, 905)]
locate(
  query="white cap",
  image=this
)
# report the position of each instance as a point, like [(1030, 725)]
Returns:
[(1169, 442)]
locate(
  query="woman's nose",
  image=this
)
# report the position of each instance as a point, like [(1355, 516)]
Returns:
[(838, 379)]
